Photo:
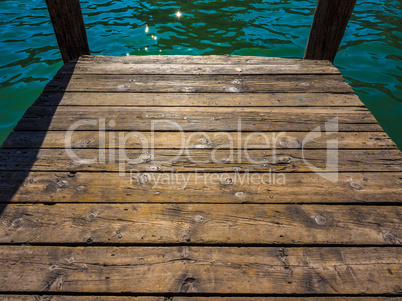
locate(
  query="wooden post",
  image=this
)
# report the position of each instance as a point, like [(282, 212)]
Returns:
[(68, 24), (330, 20)]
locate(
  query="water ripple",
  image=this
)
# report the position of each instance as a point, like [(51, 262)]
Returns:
[(369, 57)]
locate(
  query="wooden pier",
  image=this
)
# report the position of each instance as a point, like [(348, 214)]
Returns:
[(208, 178), (73, 229)]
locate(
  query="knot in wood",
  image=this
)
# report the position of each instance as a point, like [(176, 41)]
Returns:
[(288, 142), (145, 158), (228, 181), (189, 285), (390, 238), (320, 220), (17, 223), (198, 218), (356, 186), (240, 194), (154, 168), (186, 238), (91, 216), (61, 183), (284, 160), (144, 179)]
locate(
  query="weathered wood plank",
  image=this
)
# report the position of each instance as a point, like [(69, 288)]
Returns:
[(69, 28), (59, 187), (45, 111), (189, 59), (158, 69), (201, 83), (330, 21), (258, 119), (202, 270), (200, 224), (191, 140), (190, 122), (199, 99), (201, 160), (204, 188), (51, 200)]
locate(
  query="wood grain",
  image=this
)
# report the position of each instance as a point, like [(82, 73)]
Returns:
[(193, 140), (207, 224), (198, 99), (201, 270), (197, 119), (200, 83), (60, 187), (202, 59), (330, 21), (122, 68), (201, 160), (200, 224), (69, 27)]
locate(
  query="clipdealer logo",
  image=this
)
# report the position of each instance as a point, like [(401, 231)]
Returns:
[(237, 146)]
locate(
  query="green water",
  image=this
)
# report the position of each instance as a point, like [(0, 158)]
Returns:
[(369, 57)]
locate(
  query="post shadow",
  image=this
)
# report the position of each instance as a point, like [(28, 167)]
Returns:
[(14, 169)]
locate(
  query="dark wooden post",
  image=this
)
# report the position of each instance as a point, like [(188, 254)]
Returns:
[(68, 24), (330, 20)]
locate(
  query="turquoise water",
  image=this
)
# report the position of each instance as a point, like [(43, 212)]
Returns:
[(369, 57)]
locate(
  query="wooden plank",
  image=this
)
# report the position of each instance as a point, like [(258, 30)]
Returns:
[(193, 122), (60, 187), (69, 27), (197, 69), (202, 270), (122, 68), (200, 160), (236, 112), (199, 59), (256, 119), (330, 21), (49, 296), (201, 83), (260, 224), (198, 99), (191, 140)]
